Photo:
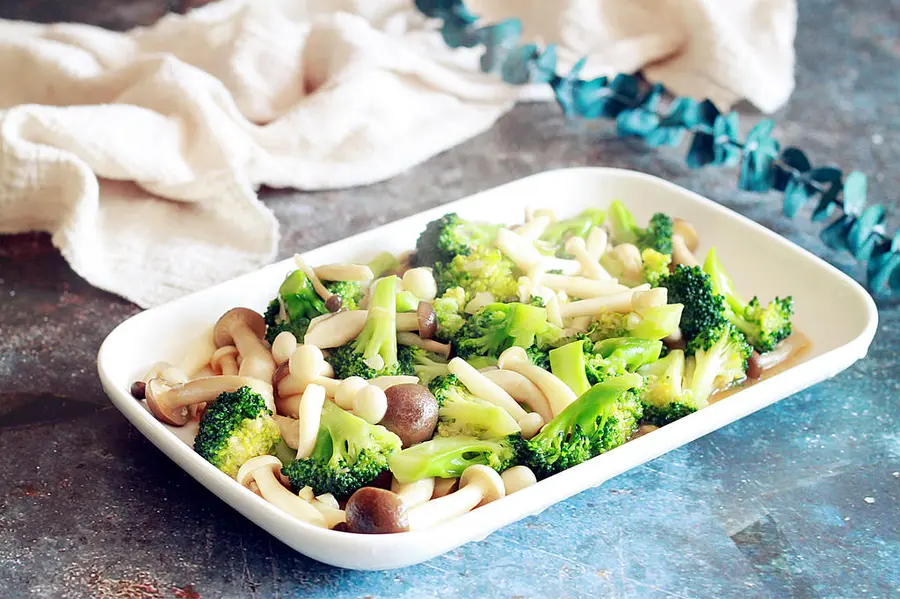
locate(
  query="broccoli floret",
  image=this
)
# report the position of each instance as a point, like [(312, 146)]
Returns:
[(719, 359), (608, 325), (665, 397), (539, 356), (442, 384), (275, 324), (299, 297), (374, 352), (349, 453), (449, 311), (655, 267), (451, 236), (383, 264), (481, 270), (448, 457), (351, 293), (657, 235), (652, 323), (460, 413), (427, 365), (236, 427), (615, 357), (601, 419), (703, 307), (568, 364), (578, 226), (764, 327), (497, 327)]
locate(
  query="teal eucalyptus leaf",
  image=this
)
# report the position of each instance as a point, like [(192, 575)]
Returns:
[(759, 155)]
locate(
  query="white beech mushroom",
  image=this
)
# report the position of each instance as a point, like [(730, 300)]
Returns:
[(653, 298), (262, 470), (224, 360), (413, 340), (580, 286), (328, 506), (484, 388), (415, 493), (554, 316), (246, 329), (620, 302), (518, 249), (687, 232), (337, 329), (289, 428), (590, 266), (681, 253), (420, 282), (517, 478), (596, 243), (632, 261), (522, 390), (283, 347), (344, 272), (169, 403), (309, 416), (478, 485), (534, 227), (479, 301), (370, 403), (444, 486), (348, 389), (305, 366), (558, 394)]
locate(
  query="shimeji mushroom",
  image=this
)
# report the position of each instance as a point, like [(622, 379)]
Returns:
[(444, 486), (558, 394), (479, 301), (246, 329), (630, 257), (334, 330), (519, 249), (687, 232), (681, 254), (283, 347), (596, 243), (412, 413), (370, 403), (224, 360), (478, 485), (309, 415), (413, 340), (371, 510), (619, 302), (535, 226), (653, 298), (321, 290), (590, 266), (575, 286), (289, 428), (344, 272), (484, 388), (262, 471), (522, 390), (170, 404), (415, 493), (517, 478), (199, 354), (420, 282), (386, 382)]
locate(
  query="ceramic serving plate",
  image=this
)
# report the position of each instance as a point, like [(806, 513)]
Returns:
[(760, 262)]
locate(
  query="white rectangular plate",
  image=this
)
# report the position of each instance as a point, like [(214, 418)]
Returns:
[(760, 261)]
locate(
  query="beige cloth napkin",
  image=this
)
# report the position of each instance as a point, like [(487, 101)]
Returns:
[(140, 152)]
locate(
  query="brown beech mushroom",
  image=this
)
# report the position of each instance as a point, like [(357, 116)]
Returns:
[(413, 340), (687, 232), (198, 355), (169, 404), (427, 320), (478, 485), (444, 486), (262, 471), (224, 360), (412, 413), (246, 329), (517, 478), (375, 511)]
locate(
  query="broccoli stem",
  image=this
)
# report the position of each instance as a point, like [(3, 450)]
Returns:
[(658, 322), (622, 223), (567, 364), (379, 335), (406, 301), (448, 457), (385, 262)]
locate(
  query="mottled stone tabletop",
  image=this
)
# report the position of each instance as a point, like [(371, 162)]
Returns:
[(798, 500)]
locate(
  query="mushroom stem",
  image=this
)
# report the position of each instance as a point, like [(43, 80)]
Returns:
[(687, 232), (444, 486), (681, 253), (478, 484), (313, 277), (581, 286), (261, 470), (289, 428), (245, 329), (484, 388), (339, 328), (558, 394), (522, 390), (590, 266), (620, 302), (169, 403), (534, 227), (597, 241), (332, 515), (199, 354), (517, 478), (413, 340), (385, 382), (518, 249), (344, 272), (310, 414), (415, 493), (224, 360)]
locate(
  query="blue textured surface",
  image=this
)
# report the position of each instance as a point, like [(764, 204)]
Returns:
[(799, 500)]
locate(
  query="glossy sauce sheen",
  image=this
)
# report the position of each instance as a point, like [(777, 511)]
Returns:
[(803, 347)]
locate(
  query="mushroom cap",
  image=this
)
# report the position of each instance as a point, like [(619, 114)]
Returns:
[(514, 353), (686, 231), (487, 479), (245, 474), (306, 361), (155, 393), (238, 317), (412, 413), (225, 350), (376, 511)]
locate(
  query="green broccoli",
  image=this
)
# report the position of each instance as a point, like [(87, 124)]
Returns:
[(657, 235), (655, 266), (568, 364), (427, 365), (374, 352), (448, 457), (351, 293), (276, 323), (460, 413), (349, 453), (236, 427), (407, 301), (703, 308), (665, 397), (579, 225), (481, 270), (451, 235), (299, 297), (719, 359), (764, 327), (497, 327), (449, 311), (601, 419), (615, 357), (383, 264), (654, 323)]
